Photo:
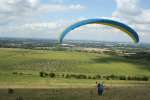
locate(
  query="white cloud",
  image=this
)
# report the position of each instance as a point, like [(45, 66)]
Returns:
[(22, 10), (59, 8), (20, 17), (129, 7), (50, 25), (38, 29), (130, 12)]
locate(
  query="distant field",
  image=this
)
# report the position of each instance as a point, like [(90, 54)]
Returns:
[(33, 61), (31, 86)]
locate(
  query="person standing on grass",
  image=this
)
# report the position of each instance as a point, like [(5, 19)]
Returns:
[(97, 87), (100, 88)]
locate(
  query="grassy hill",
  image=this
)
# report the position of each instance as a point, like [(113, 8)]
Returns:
[(33, 61)]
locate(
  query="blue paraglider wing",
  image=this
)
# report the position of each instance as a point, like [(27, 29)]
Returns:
[(123, 27)]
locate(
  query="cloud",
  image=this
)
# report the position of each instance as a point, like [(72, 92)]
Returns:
[(127, 11), (130, 12), (20, 18), (16, 10), (60, 8), (38, 29), (24, 18), (22, 10), (129, 7)]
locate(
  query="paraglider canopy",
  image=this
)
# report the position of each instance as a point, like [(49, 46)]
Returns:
[(123, 27)]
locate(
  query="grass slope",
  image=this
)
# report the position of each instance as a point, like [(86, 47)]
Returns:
[(117, 93), (33, 61)]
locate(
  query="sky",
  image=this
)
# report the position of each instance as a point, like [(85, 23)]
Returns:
[(48, 18)]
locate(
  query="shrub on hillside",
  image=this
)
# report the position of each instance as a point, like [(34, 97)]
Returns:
[(122, 77), (10, 91), (145, 78), (52, 75), (98, 76), (43, 74), (67, 76), (106, 77), (81, 76), (89, 77)]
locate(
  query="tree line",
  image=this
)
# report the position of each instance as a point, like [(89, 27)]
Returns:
[(84, 76)]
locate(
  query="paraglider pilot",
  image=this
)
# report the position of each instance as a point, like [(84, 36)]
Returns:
[(100, 88)]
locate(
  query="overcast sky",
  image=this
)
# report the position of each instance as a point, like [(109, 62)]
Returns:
[(48, 18)]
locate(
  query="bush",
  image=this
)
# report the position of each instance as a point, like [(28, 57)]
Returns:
[(129, 78), (67, 76), (81, 76), (43, 74), (15, 73), (52, 75), (106, 77), (63, 76), (10, 91), (19, 98), (113, 77), (145, 78), (89, 77), (98, 76), (122, 77), (93, 77)]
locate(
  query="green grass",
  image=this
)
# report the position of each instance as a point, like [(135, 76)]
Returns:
[(33, 61), (115, 93), (32, 87)]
